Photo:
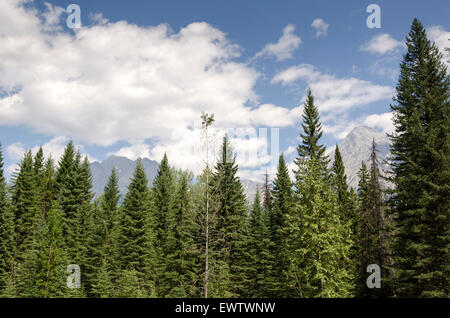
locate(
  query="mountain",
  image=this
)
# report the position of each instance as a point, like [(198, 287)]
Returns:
[(125, 168), (356, 147)]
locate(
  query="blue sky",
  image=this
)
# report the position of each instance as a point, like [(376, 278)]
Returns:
[(112, 84)]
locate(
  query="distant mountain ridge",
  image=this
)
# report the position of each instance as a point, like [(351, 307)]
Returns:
[(354, 149), (125, 168)]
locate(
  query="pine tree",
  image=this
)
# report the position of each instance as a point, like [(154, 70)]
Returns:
[(341, 187), (6, 231), (163, 193), (348, 211), (267, 194), (42, 271), (48, 189), (231, 227), (133, 223), (260, 257), (317, 239), (179, 274), (378, 223), (39, 171), (65, 166), (362, 231), (24, 198), (109, 224), (312, 128), (420, 164), (282, 206), (129, 285), (103, 286), (51, 276)]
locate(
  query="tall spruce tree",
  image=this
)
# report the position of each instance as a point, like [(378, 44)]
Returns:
[(6, 231), (231, 226), (310, 148), (163, 193), (24, 201), (283, 197), (267, 194), (348, 211), (179, 274), (318, 239), (104, 241), (260, 257), (110, 218), (341, 187), (420, 164), (133, 225)]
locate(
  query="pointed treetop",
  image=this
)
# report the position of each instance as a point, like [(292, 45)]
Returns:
[(312, 128)]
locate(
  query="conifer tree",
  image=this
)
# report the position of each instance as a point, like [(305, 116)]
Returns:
[(42, 271), (348, 211), (259, 250), (163, 193), (6, 231), (318, 239), (282, 206), (129, 285), (231, 227), (312, 128), (420, 164), (341, 187), (133, 223), (65, 166), (109, 224), (48, 189), (38, 166), (179, 274), (51, 275), (24, 198), (267, 194), (103, 286)]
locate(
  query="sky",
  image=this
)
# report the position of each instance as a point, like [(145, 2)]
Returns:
[(135, 77)]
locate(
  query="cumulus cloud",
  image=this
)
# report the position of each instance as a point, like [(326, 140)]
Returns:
[(119, 81), (285, 46), (111, 82), (133, 152), (320, 27), (334, 94), (15, 151), (441, 38), (54, 148), (381, 44), (382, 121)]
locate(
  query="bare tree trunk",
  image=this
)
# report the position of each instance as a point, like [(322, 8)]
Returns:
[(207, 120)]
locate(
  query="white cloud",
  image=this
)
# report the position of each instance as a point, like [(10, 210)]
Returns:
[(382, 121), (289, 151), (285, 46), (133, 152), (320, 27), (334, 95), (441, 37), (112, 82), (54, 148), (381, 44), (118, 81), (15, 151), (341, 126)]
